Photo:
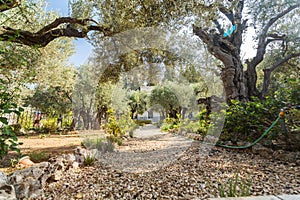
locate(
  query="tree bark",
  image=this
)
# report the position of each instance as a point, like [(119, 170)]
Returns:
[(232, 73), (238, 84), (268, 72), (52, 31)]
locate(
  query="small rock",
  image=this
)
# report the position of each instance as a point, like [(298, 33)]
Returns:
[(3, 178), (79, 195), (75, 165), (262, 151), (7, 192), (240, 144)]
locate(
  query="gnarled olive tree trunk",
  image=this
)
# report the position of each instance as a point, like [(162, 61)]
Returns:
[(239, 84)]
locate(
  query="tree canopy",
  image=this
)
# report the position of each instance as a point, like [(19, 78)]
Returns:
[(274, 23)]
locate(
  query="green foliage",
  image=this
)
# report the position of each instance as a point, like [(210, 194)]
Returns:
[(165, 97), (116, 129), (237, 187), (141, 122), (287, 91), (92, 143), (293, 120), (16, 128), (126, 123), (8, 141), (8, 138), (98, 143), (138, 102), (49, 125), (26, 120), (170, 124), (89, 160), (38, 157), (112, 127), (199, 125), (247, 121), (189, 126), (67, 119)]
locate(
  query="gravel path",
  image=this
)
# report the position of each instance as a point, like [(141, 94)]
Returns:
[(162, 166), (149, 150)]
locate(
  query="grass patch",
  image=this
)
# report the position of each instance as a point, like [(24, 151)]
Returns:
[(236, 187), (98, 143), (38, 157)]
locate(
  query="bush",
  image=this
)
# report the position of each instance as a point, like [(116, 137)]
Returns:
[(37, 157), (92, 143), (49, 125), (170, 124), (98, 143), (247, 121), (244, 121), (199, 125), (142, 122), (8, 141), (8, 138), (26, 121), (89, 160), (67, 120), (16, 129), (116, 129)]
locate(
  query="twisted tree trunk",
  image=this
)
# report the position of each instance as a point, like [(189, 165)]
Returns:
[(239, 84)]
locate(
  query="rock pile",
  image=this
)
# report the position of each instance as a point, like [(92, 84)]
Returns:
[(30, 182)]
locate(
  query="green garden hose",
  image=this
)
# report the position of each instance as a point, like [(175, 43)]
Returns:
[(257, 140), (280, 117)]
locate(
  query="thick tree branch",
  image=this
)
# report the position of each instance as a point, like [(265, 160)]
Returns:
[(283, 60), (53, 31), (227, 13), (64, 20), (238, 34), (268, 72), (221, 48), (262, 43), (8, 4)]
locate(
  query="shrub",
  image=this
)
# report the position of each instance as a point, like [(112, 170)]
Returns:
[(89, 160), (199, 125), (126, 123), (142, 122), (92, 143), (170, 124), (8, 138), (49, 125), (67, 120), (8, 141), (16, 129), (116, 129), (37, 157), (247, 121), (26, 121), (98, 143)]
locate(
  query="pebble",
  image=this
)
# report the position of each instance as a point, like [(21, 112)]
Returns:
[(168, 178)]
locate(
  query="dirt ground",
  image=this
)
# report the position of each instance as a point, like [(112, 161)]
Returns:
[(52, 144), (48, 145)]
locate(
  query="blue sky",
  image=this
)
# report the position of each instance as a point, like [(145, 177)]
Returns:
[(83, 48)]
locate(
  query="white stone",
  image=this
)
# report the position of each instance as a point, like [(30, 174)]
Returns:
[(3, 178), (7, 192)]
